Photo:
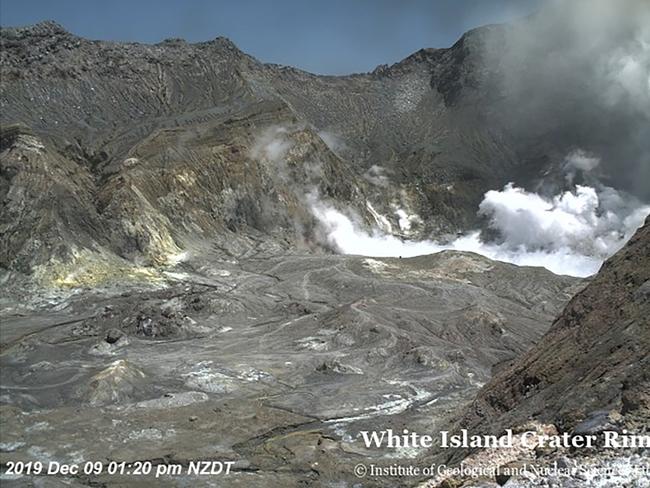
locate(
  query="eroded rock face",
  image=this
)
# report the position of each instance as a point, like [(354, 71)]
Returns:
[(205, 188), (146, 147), (47, 211)]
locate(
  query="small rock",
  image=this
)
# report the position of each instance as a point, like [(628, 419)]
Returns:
[(450, 483), (193, 418), (113, 335), (563, 463), (502, 478)]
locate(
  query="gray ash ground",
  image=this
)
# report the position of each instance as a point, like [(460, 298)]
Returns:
[(275, 363)]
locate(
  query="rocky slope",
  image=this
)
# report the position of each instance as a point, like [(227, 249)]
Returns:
[(587, 374), (95, 102), (428, 135), (594, 357), (178, 191)]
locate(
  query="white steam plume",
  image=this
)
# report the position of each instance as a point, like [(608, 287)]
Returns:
[(272, 145), (580, 70), (572, 233)]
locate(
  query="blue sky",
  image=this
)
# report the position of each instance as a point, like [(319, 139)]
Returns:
[(321, 36)]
